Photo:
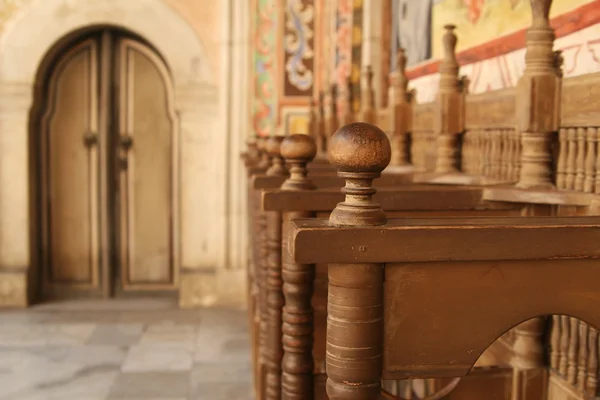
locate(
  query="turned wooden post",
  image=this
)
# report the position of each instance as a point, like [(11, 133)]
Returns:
[(333, 123), (538, 100), (368, 112), (359, 151), (400, 99), (297, 328), (449, 121), (265, 161), (320, 136), (273, 148), (271, 277), (348, 109)]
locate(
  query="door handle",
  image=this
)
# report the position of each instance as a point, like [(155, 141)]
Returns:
[(90, 139), (126, 142)]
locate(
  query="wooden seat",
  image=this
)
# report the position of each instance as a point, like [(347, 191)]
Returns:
[(402, 292)]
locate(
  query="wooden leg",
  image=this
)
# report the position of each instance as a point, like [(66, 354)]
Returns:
[(355, 331), (274, 307), (297, 367)]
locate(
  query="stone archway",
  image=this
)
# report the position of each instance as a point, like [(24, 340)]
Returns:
[(23, 45)]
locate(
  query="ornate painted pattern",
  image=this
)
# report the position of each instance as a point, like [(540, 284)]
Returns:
[(581, 53), (356, 53), (265, 68), (298, 47), (343, 45)]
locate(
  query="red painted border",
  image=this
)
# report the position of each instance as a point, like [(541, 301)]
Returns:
[(564, 24)]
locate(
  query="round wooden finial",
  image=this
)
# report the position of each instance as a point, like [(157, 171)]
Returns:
[(298, 150), (359, 151), (273, 149)]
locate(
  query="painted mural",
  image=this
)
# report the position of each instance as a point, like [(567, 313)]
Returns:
[(480, 21), (265, 68), (499, 62), (298, 46)]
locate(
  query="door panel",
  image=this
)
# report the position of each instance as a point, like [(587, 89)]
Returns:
[(146, 159), (69, 168)]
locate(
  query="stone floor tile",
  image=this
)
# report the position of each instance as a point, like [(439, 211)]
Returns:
[(117, 334), (158, 357), (220, 372), (223, 391), (147, 385)]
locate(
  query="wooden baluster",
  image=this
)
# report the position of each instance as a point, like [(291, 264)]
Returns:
[(348, 110), (555, 354), (564, 344), (487, 152), (496, 153), (368, 105), (561, 168), (572, 354), (449, 121), (503, 153), (333, 118), (273, 283), (538, 99), (355, 319), (582, 361), (510, 155), (571, 168), (590, 160), (580, 163), (528, 347), (321, 137), (591, 385), (481, 148), (597, 174), (400, 99), (518, 155), (265, 161), (467, 152), (297, 364)]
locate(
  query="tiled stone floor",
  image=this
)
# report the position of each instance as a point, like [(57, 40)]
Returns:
[(124, 350)]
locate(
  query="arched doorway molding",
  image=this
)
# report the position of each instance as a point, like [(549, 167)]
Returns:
[(23, 45)]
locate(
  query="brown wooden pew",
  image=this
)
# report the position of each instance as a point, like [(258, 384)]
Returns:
[(415, 297)]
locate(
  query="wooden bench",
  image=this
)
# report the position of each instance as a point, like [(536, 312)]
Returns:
[(442, 277)]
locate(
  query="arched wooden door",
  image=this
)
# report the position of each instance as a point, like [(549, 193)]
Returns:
[(107, 141)]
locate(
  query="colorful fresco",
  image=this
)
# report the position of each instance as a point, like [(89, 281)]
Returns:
[(298, 48), (480, 21), (265, 68)]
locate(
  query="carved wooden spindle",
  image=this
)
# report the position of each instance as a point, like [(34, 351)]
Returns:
[(528, 346), (360, 152), (274, 305), (582, 359), (368, 113), (400, 98), (314, 123), (321, 137), (450, 107), (572, 353), (273, 148), (265, 161), (510, 155), (597, 174), (334, 123), (298, 364), (518, 153), (591, 385), (261, 274), (487, 153), (348, 109), (565, 332), (561, 168), (580, 163), (495, 153), (590, 159), (571, 167), (538, 99), (555, 342)]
